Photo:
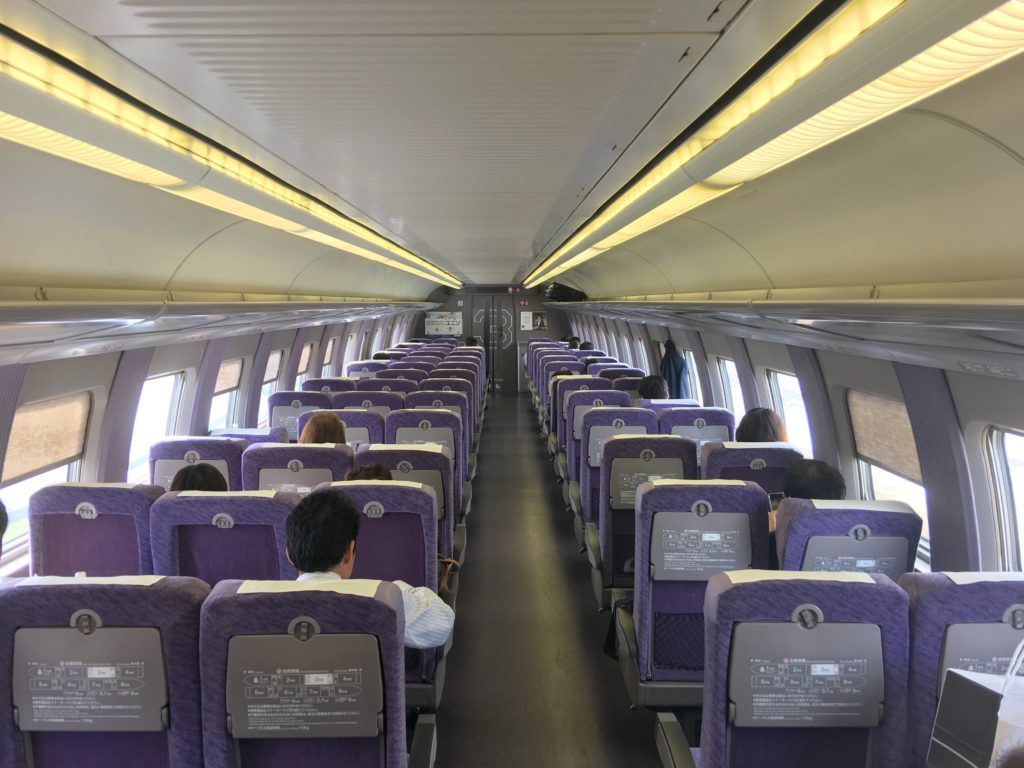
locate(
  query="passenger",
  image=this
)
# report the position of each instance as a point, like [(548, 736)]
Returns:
[(323, 428), (3, 520), (761, 425), (675, 371), (573, 344), (321, 533), (369, 472), (471, 341), (586, 345), (653, 387), (811, 479), (199, 477)]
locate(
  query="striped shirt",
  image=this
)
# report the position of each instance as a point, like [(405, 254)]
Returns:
[(428, 618)]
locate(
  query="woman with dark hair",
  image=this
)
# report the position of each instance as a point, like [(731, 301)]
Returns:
[(761, 425), (323, 428), (675, 372), (199, 477), (369, 472)]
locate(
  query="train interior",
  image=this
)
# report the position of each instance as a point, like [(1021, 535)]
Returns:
[(471, 232)]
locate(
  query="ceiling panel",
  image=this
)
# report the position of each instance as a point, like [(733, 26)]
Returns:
[(457, 125)]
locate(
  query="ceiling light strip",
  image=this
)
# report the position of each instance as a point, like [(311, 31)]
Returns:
[(42, 74)]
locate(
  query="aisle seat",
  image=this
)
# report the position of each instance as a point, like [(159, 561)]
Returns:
[(405, 386), (363, 369), (253, 434), (171, 454), (329, 385), (361, 424), (577, 404), (761, 463), (381, 403), (286, 407), (292, 467), (705, 425)]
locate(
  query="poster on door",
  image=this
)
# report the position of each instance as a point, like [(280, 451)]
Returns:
[(443, 324), (533, 321)]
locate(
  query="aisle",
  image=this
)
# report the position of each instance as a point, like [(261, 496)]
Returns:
[(527, 682)]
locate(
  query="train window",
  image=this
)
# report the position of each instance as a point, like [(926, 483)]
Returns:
[(887, 456), (691, 371), (269, 387), (154, 419), (225, 393), (350, 351), (1006, 457), (303, 371), (731, 386), (788, 401), (46, 442), (325, 369)]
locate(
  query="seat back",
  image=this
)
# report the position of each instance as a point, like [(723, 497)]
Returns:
[(550, 358), (77, 647), (381, 403), (563, 387), (971, 621), (660, 405), (596, 369), (455, 384), (621, 373), (349, 653), (253, 434), (686, 532), (386, 385), (430, 465), (99, 528), (826, 535), (462, 370), (599, 424), (171, 454), (628, 384), (363, 369), (216, 536), (286, 407), (810, 635), (361, 425), (294, 468), (627, 461), (456, 402), (398, 533), (761, 463), (577, 404), (403, 374), (705, 425), (548, 371), (329, 385), (429, 425), (414, 363)]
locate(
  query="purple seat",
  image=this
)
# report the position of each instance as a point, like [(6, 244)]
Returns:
[(101, 529), (596, 425), (705, 425), (253, 434), (622, 373), (865, 613), (661, 639), (403, 374), (628, 384), (577, 404), (551, 366), (563, 388), (626, 462), (171, 454), (456, 402), (964, 620), (761, 463), (542, 361), (286, 407), (398, 541), (421, 358), (460, 371), (329, 385), (361, 426), (216, 536), (149, 629), (404, 386), (674, 402), (596, 369), (293, 468), (535, 355), (870, 536), (453, 384), (429, 426), (430, 465), (354, 624), (361, 369), (414, 363), (386, 354), (381, 403)]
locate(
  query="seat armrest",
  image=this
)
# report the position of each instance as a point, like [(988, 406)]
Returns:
[(625, 630), (424, 742), (672, 747), (592, 539), (459, 543)]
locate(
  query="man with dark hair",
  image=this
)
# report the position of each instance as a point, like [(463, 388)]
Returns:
[(3, 520), (586, 345), (811, 479), (652, 388), (322, 531)]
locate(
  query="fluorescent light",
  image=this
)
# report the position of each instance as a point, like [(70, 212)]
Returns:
[(991, 39), (35, 70)]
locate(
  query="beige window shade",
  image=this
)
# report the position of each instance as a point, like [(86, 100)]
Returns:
[(273, 366), (47, 434), (329, 351), (307, 350), (228, 376), (882, 433)]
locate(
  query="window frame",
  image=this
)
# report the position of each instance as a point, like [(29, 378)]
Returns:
[(1008, 529), (329, 347), (79, 457), (173, 413), (775, 392), (232, 391), (726, 382)]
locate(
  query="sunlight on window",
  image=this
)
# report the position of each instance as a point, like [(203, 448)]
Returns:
[(154, 420), (16, 496), (731, 386), (788, 401)]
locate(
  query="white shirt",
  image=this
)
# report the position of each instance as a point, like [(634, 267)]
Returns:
[(428, 618)]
